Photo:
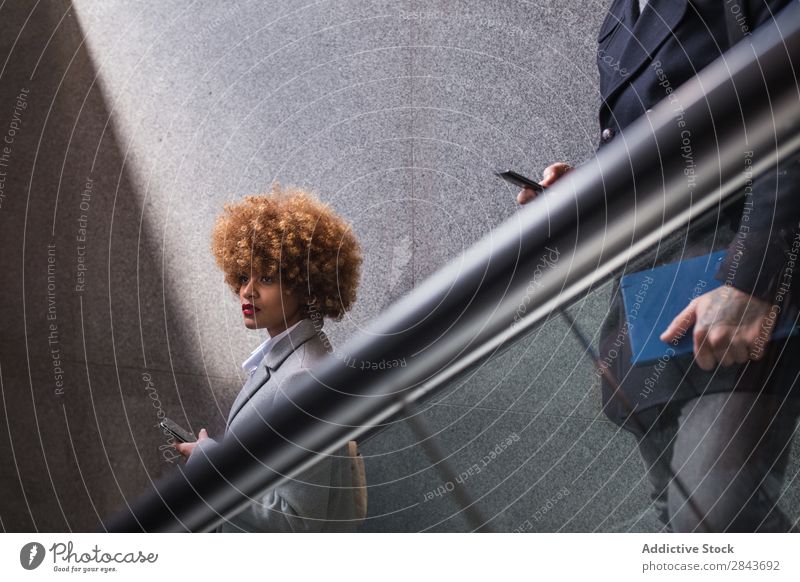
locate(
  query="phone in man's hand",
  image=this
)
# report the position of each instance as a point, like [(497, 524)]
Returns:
[(177, 431), (520, 180)]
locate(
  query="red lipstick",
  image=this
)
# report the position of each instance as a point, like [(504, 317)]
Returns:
[(249, 309)]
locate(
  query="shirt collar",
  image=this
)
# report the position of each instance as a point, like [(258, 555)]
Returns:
[(261, 351)]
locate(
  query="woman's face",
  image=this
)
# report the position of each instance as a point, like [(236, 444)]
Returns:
[(264, 306)]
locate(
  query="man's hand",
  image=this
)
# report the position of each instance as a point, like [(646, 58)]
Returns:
[(186, 449), (730, 327), (549, 176)]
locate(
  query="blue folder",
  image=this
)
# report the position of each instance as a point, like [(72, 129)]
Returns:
[(654, 297)]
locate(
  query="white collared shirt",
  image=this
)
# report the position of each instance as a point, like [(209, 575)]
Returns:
[(261, 351)]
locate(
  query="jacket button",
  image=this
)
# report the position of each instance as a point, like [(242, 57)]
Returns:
[(607, 134)]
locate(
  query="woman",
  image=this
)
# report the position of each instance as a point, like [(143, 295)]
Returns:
[(292, 261)]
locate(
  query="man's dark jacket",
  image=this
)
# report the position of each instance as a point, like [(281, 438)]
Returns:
[(641, 59)]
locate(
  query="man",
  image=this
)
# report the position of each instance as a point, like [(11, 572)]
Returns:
[(721, 422)]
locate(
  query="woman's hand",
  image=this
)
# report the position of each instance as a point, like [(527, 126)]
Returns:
[(186, 449), (549, 176)]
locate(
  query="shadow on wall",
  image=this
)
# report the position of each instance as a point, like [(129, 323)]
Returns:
[(85, 348)]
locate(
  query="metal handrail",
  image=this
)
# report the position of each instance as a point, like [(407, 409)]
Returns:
[(748, 100)]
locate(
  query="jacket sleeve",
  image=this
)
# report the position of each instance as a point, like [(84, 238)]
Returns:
[(300, 504), (756, 256), (771, 212), (202, 448)]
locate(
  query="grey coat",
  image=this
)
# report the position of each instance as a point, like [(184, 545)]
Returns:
[(319, 499)]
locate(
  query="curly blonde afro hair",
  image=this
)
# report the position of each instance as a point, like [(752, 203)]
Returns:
[(289, 235)]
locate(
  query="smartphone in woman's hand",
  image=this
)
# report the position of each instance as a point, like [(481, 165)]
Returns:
[(177, 431)]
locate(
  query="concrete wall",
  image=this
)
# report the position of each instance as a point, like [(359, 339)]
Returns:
[(144, 118)]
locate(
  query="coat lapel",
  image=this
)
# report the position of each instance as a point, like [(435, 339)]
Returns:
[(289, 343), (638, 44), (613, 19), (271, 362), (256, 380)]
